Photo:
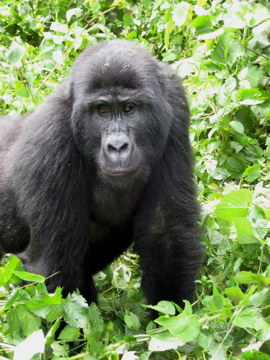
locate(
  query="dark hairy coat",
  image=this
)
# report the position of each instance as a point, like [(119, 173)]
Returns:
[(103, 163)]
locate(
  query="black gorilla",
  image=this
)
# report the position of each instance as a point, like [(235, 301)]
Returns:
[(104, 162)]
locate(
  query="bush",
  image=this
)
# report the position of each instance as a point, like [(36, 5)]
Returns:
[(221, 49)]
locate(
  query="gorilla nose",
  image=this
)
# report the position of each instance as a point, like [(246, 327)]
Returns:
[(118, 147)]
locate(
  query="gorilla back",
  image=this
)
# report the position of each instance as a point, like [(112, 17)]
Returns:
[(103, 163)]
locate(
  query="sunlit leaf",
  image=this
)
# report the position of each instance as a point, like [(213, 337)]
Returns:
[(73, 12), (234, 204), (165, 307), (164, 341), (245, 231), (180, 12), (75, 310), (132, 321), (47, 306), (29, 277), (184, 326), (246, 318), (15, 54)]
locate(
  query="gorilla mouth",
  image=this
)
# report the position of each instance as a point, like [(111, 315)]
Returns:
[(119, 172)]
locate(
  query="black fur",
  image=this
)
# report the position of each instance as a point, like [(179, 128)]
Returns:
[(104, 162)]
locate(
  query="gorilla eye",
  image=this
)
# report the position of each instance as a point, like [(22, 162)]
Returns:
[(103, 110), (128, 108)]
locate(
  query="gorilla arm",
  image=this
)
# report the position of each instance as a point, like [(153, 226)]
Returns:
[(50, 185), (166, 232), (167, 239)]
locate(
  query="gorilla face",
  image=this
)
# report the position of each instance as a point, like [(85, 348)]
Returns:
[(119, 153), (124, 112)]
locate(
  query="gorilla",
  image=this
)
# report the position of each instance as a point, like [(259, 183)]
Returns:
[(103, 163)]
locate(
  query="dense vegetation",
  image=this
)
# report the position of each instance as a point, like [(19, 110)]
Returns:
[(222, 51)]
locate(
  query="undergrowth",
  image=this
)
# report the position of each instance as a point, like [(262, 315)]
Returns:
[(221, 50)]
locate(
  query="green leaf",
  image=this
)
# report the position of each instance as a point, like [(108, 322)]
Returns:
[(217, 351), (128, 20), (234, 204), (29, 277), (202, 24), (235, 52), (168, 30), (55, 26), (237, 126), (235, 294), (96, 322), (164, 341), (254, 355), (251, 74), (94, 345), (180, 12), (219, 302), (211, 35), (69, 333), (261, 298), (22, 90), (75, 311), (7, 271), (15, 54), (245, 231), (169, 56), (236, 165), (246, 277), (75, 11), (185, 326), (252, 96), (11, 299), (132, 35), (227, 50), (261, 228), (51, 334), (233, 19), (260, 13), (47, 306), (28, 321), (252, 173), (95, 6), (132, 321), (146, 3), (165, 307), (246, 318), (13, 322), (254, 150), (60, 351)]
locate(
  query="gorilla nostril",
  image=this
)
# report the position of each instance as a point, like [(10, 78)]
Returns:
[(124, 147), (113, 148)]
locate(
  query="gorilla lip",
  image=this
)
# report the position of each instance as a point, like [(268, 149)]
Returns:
[(119, 173)]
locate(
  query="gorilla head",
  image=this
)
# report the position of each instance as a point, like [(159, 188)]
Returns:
[(105, 162), (113, 102)]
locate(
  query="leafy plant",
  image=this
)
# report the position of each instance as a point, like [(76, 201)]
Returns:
[(221, 49)]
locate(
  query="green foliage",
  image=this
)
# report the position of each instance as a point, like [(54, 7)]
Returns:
[(221, 50)]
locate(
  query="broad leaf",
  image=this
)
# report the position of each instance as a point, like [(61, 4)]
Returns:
[(234, 204)]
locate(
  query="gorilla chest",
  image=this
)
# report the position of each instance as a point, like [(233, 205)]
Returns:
[(114, 207)]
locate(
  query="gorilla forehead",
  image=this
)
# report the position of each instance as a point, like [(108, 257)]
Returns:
[(115, 63)]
